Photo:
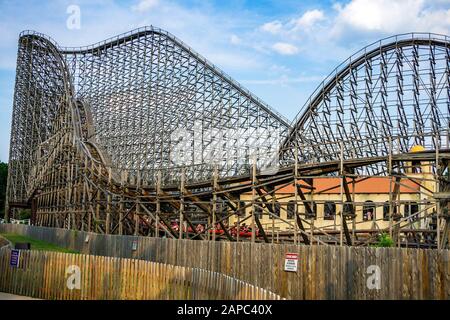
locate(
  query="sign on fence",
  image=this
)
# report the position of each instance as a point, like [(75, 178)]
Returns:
[(15, 258), (291, 262)]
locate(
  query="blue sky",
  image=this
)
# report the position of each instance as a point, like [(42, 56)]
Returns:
[(279, 50)]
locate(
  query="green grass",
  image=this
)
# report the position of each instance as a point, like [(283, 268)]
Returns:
[(35, 244)]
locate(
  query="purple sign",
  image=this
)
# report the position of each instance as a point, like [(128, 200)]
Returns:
[(15, 258)]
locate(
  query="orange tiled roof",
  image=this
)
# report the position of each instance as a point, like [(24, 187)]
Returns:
[(369, 185)]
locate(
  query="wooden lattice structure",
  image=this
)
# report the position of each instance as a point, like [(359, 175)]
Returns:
[(134, 133)]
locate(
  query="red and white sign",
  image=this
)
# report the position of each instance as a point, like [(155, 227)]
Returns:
[(291, 262)]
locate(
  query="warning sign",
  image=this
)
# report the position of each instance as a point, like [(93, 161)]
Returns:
[(15, 258), (291, 262)]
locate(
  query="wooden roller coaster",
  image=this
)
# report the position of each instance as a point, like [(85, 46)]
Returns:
[(92, 150)]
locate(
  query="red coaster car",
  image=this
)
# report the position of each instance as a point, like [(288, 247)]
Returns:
[(217, 231), (248, 233)]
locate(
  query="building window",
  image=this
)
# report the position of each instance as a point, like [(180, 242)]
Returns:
[(415, 209), (368, 210), (313, 207), (410, 209), (329, 210), (277, 209), (348, 208), (274, 209), (291, 210), (386, 211), (269, 207)]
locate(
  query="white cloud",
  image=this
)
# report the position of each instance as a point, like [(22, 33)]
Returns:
[(145, 5), (285, 48), (374, 17), (273, 27), (334, 33), (99, 21), (391, 17), (234, 39), (309, 19)]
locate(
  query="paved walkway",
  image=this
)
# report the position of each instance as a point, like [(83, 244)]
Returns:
[(7, 296)]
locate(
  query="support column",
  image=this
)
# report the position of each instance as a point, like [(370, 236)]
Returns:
[(214, 202), (254, 182), (108, 205), (122, 204), (158, 203), (138, 206), (181, 219), (295, 193), (437, 190), (391, 222), (341, 174)]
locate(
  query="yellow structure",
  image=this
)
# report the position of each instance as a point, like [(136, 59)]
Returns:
[(411, 195)]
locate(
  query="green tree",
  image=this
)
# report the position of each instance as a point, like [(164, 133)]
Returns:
[(384, 240), (3, 178)]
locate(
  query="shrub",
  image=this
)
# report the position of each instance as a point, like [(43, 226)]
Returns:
[(384, 240)]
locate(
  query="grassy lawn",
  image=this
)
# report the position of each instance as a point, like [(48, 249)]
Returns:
[(35, 244)]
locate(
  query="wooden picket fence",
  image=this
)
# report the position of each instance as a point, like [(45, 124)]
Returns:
[(324, 272), (46, 275)]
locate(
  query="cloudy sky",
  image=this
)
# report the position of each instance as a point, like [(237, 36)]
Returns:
[(280, 50)]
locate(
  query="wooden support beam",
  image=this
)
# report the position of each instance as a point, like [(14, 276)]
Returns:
[(261, 229), (302, 196), (394, 211), (348, 197), (181, 206), (302, 229), (170, 232)]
